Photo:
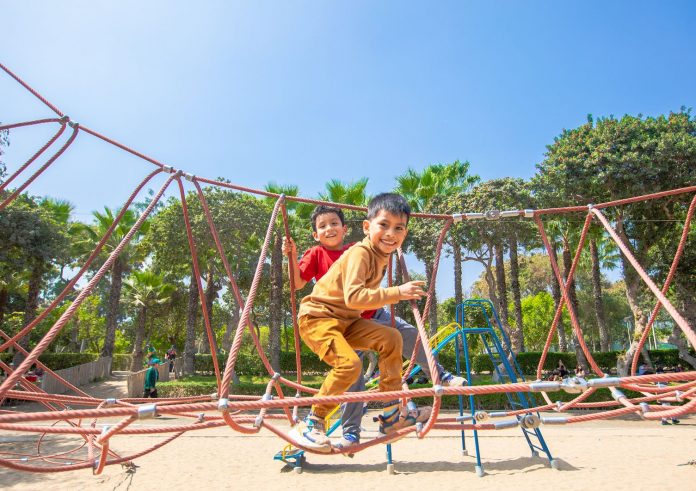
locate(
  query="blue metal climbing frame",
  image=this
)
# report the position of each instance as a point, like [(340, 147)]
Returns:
[(505, 368)]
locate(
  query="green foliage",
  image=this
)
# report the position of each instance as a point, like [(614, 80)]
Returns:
[(121, 361), (58, 361)]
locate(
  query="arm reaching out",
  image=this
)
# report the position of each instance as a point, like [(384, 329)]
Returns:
[(290, 250)]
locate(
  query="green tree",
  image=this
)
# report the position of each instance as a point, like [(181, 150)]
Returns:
[(144, 290), (35, 240), (427, 192), (88, 238), (613, 158)]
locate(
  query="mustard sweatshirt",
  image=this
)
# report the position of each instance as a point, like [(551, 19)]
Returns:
[(351, 285)]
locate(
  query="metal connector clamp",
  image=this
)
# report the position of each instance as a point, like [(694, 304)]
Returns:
[(65, 119), (110, 401), (530, 421), (604, 382), (147, 411), (555, 420), (492, 215), (574, 385), (438, 390), (74, 124), (509, 213), (189, 177), (223, 404), (500, 425), (529, 213), (168, 168), (544, 386), (457, 217), (616, 393)]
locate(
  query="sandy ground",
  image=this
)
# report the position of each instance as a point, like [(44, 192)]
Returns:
[(614, 454)]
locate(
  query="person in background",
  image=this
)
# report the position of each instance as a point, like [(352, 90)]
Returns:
[(151, 377), (171, 356)]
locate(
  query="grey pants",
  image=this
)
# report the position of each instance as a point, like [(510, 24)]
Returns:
[(352, 413)]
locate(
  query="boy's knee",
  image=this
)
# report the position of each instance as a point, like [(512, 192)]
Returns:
[(353, 366), (393, 339)]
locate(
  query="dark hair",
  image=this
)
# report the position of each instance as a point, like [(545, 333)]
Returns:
[(323, 210), (391, 202)]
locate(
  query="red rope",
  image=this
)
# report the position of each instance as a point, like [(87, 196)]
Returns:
[(35, 93), (36, 174)]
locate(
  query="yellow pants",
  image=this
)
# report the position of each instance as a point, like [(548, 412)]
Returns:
[(335, 342)]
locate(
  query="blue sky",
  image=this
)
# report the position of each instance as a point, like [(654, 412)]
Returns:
[(302, 92)]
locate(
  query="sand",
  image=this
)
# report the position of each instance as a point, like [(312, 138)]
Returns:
[(612, 454)]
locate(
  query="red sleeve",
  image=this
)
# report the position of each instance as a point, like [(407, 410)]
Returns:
[(308, 264)]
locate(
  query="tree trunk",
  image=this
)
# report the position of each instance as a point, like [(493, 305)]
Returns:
[(113, 308), (401, 308), (231, 326), (74, 345), (688, 303), (573, 297), (210, 296), (556, 293), (32, 305), (502, 286), (137, 354), (518, 333), (4, 296), (457, 256), (191, 316), (275, 302), (597, 294), (432, 313)]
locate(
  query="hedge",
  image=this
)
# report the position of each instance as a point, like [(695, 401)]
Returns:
[(58, 361), (496, 401), (250, 363)]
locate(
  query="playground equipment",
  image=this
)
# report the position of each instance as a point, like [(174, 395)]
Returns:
[(506, 369), (93, 428)]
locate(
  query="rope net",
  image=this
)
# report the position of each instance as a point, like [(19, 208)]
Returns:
[(92, 428)]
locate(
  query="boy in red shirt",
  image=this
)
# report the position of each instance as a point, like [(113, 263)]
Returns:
[(329, 229)]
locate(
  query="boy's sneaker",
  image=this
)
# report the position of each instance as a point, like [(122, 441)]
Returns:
[(348, 440), (311, 434), (665, 422), (675, 421), (402, 418), (450, 380)]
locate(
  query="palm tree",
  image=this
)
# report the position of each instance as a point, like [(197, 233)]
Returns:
[(349, 193), (144, 290), (421, 190), (91, 235)]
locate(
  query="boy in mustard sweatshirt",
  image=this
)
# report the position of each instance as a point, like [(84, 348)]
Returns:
[(331, 325)]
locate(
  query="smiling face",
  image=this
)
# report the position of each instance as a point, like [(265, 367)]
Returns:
[(386, 231), (329, 231)]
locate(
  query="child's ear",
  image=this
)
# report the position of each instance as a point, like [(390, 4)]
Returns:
[(366, 227), (316, 236)]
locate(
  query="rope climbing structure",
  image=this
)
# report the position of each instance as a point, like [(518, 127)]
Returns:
[(102, 420)]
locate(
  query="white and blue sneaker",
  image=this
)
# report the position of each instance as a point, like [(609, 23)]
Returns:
[(451, 380), (348, 440), (310, 433)]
